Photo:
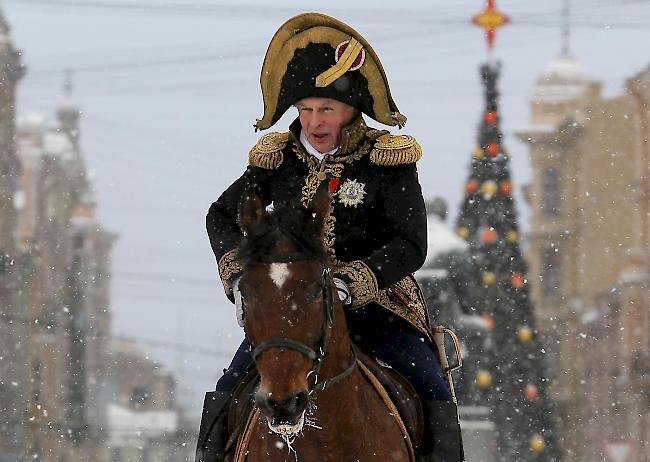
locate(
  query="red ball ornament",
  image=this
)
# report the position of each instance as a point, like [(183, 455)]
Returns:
[(472, 186), (489, 235), (531, 392), (490, 117), (505, 187), (517, 280), (489, 321), (492, 149)]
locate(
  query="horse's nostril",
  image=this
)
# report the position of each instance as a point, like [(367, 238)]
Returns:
[(286, 411), (265, 403), (300, 401)]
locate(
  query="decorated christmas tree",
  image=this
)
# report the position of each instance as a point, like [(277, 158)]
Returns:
[(511, 374)]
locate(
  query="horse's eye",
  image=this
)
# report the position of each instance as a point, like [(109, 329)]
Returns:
[(316, 292)]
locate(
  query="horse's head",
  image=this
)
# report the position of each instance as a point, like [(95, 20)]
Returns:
[(286, 296)]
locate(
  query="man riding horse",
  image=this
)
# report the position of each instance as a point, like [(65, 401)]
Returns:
[(375, 233)]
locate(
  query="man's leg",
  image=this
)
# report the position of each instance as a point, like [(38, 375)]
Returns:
[(213, 433), (393, 340)]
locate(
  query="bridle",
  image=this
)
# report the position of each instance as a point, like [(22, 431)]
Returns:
[(318, 355)]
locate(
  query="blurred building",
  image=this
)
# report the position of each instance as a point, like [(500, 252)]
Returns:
[(65, 279), (144, 422), (13, 377), (589, 254)]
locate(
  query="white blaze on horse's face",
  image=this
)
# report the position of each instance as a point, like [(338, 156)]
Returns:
[(279, 273)]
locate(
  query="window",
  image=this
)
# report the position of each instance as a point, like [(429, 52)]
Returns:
[(37, 381), (116, 455), (139, 397), (551, 275), (551, 192)]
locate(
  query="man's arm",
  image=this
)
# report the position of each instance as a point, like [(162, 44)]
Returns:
[(405, 217), (222, 223)]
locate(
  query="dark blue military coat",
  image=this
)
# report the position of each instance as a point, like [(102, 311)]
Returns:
[(376, 231)]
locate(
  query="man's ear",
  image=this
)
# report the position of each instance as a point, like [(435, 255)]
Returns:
[(251, 210)]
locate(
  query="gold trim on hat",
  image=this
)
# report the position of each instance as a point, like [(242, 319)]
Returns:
[(344, 64)]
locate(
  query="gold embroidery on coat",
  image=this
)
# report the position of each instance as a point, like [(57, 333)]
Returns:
[(363, 283), (405, 299), (228, 266), (329, 238)]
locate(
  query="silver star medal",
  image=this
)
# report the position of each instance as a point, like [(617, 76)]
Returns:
[(351, 193)]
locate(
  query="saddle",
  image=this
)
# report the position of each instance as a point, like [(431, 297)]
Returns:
[(394, 389)]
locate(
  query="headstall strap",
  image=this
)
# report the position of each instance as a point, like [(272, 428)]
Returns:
[(284, 343), (337, 378), (317, 356)]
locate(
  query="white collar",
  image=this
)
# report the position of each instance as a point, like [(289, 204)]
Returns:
[(312, 150)]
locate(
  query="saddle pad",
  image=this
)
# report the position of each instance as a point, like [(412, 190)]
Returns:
[(241, 405), (401, 393)]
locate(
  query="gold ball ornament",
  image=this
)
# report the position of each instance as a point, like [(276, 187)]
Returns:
[(483, 379), (537, 443), (478, 153), (524, 334), (463, 233), (489, 278), (489, 188), (512, 236)]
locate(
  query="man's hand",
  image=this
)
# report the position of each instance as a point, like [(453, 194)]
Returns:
[(239, 303)]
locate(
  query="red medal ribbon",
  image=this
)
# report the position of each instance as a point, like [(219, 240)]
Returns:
[(333, 184)]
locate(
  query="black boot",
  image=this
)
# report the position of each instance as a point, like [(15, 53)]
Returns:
[(213, 433), (441, 439)]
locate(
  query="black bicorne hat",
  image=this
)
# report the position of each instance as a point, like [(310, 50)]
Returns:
[(316, 55)]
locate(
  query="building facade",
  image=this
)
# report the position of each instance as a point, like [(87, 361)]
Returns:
[(66, 284), (588, 254), (144, 422), (13, 377)]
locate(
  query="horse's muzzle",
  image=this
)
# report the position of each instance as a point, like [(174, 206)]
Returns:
[(286, 412)]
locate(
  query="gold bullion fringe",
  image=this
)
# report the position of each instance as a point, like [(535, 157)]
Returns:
[(391, 150), (267, 153)]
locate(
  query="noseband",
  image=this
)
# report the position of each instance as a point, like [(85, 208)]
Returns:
[(316, 356)]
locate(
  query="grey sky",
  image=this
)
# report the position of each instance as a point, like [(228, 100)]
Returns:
[(170, 91)]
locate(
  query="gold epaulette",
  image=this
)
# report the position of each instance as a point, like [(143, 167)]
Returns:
[(392, 150), (267, 153)]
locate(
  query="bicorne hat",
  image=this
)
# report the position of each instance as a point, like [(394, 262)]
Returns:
[(316, 55)]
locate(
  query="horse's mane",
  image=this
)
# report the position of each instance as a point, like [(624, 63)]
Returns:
[(285, 223)]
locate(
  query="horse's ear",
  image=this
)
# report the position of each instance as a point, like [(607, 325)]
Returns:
[(321, 203), (251, 210)]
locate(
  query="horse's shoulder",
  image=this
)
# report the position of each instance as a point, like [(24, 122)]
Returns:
[(390, 150), (267, 152)]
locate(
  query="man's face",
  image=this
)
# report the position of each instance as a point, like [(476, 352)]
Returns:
[(322, 120)]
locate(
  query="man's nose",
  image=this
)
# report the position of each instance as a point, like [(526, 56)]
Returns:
[(317, 118)]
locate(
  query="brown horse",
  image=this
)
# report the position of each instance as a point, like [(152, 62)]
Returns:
[(313, 402)]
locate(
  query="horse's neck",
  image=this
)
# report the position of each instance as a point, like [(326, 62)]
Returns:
[(339, 347)]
